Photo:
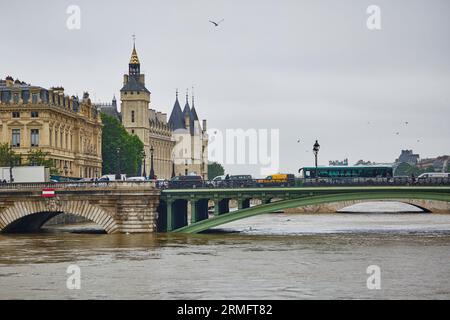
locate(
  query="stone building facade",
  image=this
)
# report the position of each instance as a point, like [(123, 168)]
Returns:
[(69, 129)]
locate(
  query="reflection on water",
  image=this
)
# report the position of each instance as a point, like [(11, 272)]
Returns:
[(275, 256)]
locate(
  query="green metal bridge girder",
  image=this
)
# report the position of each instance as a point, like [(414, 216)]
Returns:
[(298, 197)]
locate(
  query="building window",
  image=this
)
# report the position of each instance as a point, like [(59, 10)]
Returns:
[(34, 114), (132, 116), (34, 98), (132, 131), (16, 114), (15, 138), (16, 98), (34, 137)]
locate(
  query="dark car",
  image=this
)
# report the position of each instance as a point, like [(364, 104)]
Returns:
[(240, 181), (186, 182)]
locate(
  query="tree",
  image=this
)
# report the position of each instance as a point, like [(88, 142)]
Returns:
[(215, 169), (405, 169), (8, 158), (40, 158), (131, 152)]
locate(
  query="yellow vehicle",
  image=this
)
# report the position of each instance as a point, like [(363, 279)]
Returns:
[(279, 179)]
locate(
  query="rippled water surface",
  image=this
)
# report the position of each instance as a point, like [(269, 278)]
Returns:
[(274, 256)]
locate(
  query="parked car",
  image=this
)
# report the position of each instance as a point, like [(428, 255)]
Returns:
[(188, 182), (162, 183), (217, 181), (239, 181)]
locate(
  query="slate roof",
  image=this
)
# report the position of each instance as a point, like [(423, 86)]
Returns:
[(176, 120), (133, 84)]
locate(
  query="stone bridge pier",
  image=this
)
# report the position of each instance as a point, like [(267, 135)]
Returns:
[(116, 207)]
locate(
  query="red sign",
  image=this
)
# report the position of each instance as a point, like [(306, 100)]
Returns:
[(48, 193)]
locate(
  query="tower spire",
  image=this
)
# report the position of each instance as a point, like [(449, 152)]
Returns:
[(187, 96), (176, 94), (134, 66), (193, 96)]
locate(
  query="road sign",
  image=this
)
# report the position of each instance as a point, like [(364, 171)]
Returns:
[(48, 193)]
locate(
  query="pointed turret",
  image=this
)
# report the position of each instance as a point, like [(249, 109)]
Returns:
[(134, 67), (176, 120), (193, 111)]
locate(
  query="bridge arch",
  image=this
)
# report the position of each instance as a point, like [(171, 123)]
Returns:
[(426, 206), (426, 198), (31, 215)]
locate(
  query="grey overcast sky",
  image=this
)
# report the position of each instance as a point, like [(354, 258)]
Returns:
[(309, 68)]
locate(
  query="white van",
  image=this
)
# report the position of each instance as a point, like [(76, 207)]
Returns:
[(136, 179), (112, 177), (431, 175)]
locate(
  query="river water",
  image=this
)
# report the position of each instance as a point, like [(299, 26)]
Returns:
[(273, 256)]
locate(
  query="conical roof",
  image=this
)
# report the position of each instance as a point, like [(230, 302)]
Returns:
[(134, 57), (176, 120)]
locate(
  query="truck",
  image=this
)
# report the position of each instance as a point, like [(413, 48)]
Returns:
[(26, 174)]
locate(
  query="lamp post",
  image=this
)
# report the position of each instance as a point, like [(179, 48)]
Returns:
[(118, 177), (152, 170), (173, 166), (316, 148), (144, 171)]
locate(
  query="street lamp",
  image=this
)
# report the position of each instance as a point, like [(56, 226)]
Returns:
[(152, 170), (118, 177), (316, 148), (173, 166), (144, 172)]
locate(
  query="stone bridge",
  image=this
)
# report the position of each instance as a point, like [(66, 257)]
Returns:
[(118, 207)]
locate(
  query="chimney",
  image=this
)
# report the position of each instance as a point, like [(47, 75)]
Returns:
[(204, 125), (9, 81), (187, 122)]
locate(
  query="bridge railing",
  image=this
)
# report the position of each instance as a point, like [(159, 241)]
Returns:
[(299, 182), (79, 185)]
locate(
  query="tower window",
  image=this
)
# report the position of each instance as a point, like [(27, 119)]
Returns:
[(132, 116), (16, 114), (34, 114)]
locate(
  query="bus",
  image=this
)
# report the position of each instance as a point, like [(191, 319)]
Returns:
[(341, 174)]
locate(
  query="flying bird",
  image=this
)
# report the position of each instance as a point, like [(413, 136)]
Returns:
[(397, 133), (216, 23), (298, 141)]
